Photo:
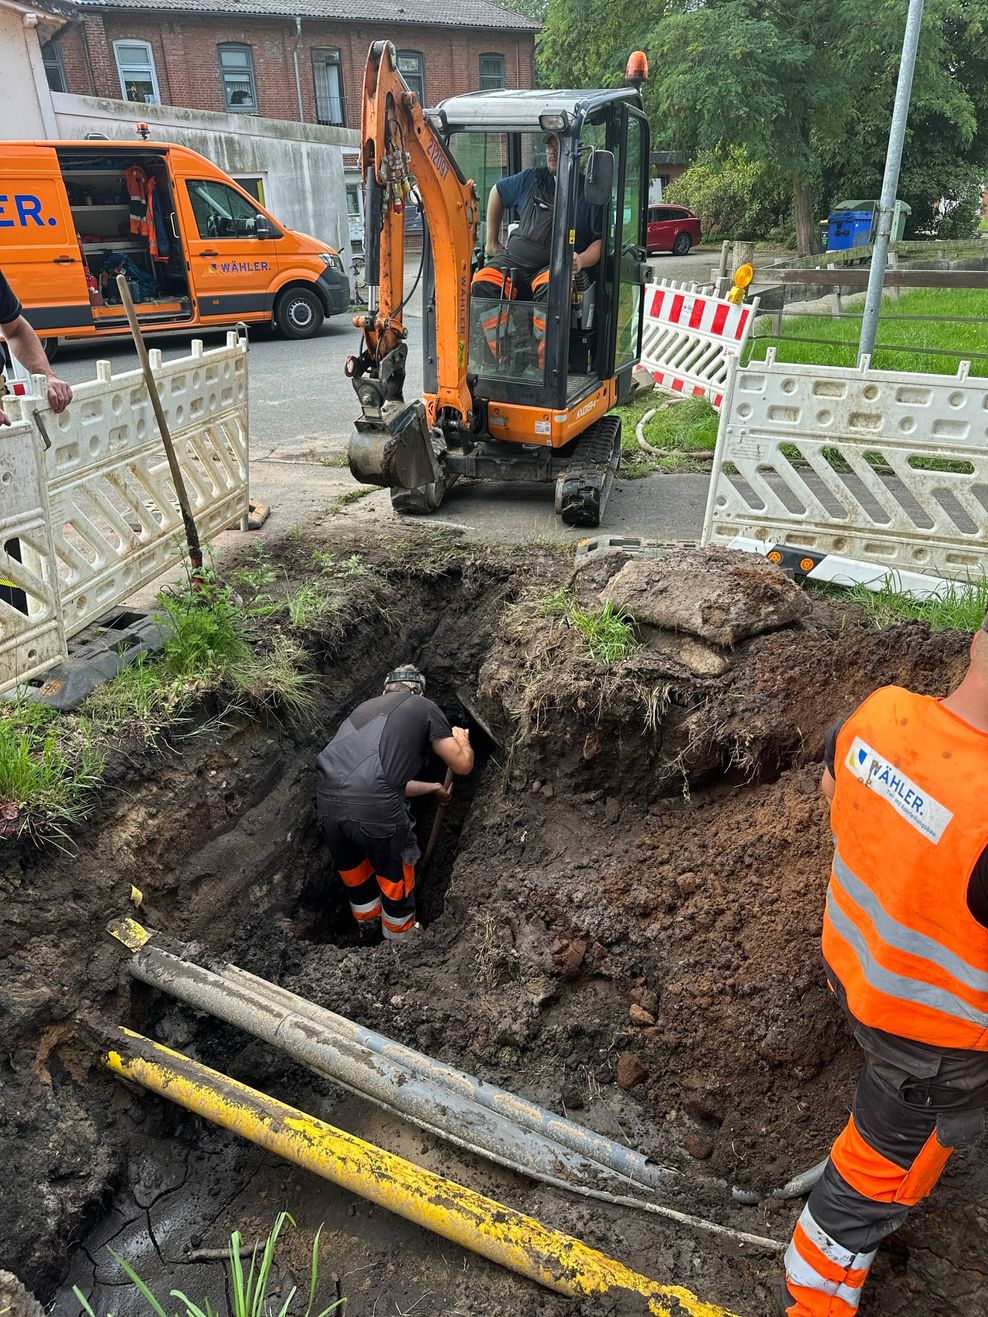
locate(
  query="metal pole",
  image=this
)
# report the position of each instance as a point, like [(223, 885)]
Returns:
[(890, 184)]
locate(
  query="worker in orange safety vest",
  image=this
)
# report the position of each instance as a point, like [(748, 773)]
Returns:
[(905, 948)]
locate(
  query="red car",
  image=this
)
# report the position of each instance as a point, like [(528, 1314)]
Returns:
[(672, 229)]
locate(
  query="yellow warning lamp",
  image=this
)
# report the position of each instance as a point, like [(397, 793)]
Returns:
[(637, 71), (743, 276)]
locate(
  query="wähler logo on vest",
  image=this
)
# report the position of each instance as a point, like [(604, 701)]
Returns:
[(915, 804)]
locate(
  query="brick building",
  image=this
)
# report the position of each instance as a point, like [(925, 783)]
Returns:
[(301, 60)]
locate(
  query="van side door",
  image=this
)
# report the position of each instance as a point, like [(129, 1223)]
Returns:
[(39, 251), (232, 248)]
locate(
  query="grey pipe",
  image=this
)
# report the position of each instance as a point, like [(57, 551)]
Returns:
[(280, 1019), (631, 1166)]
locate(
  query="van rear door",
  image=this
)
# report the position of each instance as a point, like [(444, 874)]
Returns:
[(232, 246), (39, 252)]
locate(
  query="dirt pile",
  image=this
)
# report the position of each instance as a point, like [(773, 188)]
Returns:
[(623, 922)]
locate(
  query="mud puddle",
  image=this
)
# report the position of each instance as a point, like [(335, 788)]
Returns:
[(622, 921)]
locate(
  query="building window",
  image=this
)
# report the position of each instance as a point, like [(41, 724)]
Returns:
[(327, 74), (237, 72), (492, 72), (54, 68), (411, 66), (135, 65)]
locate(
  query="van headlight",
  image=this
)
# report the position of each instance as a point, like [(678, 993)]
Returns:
[(330, 258)]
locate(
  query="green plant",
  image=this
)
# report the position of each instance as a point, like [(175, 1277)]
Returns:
[(48, 768), (353, 495), (309, 605), (323, 560), (608, 633), (277, 678), (684, 430), (354, 565), (960, 608), (206, 632), (249, 1293)]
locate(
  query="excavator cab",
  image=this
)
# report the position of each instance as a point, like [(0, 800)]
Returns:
[(543, 360)]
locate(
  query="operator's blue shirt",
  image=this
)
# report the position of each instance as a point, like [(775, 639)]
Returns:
[(514, 191)]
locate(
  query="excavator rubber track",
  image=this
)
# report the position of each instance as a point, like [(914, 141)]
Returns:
[(583, 488)]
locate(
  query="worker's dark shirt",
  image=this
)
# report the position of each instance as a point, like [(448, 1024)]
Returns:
[(10, 307), (514, 193), (413, 724), (977, 889)]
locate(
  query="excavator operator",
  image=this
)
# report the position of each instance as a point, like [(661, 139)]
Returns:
[(521, 269)]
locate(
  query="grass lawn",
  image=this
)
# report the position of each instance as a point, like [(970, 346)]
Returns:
[(841, 345), (686, 427), (840, 348)]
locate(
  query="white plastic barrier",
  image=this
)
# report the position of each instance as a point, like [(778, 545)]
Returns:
[(31, 632), (881, 468), (691, 339), (113, 521)]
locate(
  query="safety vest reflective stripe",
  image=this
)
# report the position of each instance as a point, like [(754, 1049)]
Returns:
[(903, 938), (907, 990)]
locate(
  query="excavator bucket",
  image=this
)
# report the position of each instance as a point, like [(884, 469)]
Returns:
[(397, 455)]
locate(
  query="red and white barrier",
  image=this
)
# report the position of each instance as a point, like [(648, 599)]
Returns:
[(691, 339)]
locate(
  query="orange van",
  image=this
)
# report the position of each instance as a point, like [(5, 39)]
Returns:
[(196, 249)]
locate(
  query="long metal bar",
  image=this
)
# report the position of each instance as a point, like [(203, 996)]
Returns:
[(890, 183), (520, 1243)]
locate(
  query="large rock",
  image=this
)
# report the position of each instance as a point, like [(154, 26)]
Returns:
[(719, 595)]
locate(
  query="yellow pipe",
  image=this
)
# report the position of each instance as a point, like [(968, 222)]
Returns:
[(517, 1242)]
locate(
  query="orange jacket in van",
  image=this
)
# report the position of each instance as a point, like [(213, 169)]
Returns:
[(197, 250)]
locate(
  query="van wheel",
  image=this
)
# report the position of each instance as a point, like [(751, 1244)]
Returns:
[(50, 348), (682, 244), (299, 313)]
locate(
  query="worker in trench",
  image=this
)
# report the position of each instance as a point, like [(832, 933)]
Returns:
[(521, 269), (905, 948), (366, 776)]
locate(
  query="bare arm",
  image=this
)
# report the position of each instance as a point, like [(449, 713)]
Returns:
[(495, 214), (26, 347), (827, 784), (455, 751), (587, 259)]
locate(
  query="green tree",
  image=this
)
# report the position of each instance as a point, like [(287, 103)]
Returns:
[(804, 85)]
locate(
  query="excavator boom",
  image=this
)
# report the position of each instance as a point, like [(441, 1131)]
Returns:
[(401, 153)]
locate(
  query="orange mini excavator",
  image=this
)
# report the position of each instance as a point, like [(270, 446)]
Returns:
[(518, 380)]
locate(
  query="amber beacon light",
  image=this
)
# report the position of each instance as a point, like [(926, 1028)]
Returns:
[(637, 70)]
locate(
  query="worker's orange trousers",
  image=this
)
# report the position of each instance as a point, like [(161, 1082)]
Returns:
[(904, 1126)]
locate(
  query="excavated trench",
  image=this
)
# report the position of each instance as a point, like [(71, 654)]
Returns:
[(621, 922)]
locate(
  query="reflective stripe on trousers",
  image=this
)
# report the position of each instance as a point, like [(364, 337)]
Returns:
[(888, 1157)]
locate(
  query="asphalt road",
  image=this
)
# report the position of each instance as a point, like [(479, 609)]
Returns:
[(301, 412)]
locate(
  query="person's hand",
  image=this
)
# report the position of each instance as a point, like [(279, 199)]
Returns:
[(493, 248), (59, 394), (461, 735), (4, 418), (444, 793), (577, 262)]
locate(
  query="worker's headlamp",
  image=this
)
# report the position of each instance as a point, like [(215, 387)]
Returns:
[(408, 675)]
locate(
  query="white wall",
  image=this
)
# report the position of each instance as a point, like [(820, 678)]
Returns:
[(301, 164), (25, 107)]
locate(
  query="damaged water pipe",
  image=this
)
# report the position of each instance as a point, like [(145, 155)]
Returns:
[(521, 1244)]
